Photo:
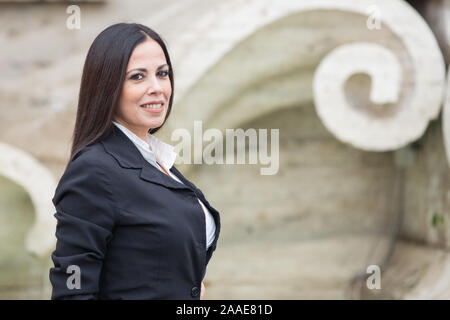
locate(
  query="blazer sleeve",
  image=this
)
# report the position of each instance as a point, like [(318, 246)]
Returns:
[(85, 222)]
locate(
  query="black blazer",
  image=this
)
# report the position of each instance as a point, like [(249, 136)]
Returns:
[(133, 231)]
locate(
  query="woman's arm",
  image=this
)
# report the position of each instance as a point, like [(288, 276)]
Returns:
[(85, 220)]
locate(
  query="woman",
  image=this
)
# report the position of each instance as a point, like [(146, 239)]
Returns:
[(130, 226)]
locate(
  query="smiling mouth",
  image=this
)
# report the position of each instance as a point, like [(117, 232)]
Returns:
[(154, 106)]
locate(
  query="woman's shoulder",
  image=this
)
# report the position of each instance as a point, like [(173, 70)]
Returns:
[(84, 189), (92, 156), (91, 168)]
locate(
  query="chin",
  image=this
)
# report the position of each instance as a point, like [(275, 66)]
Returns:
[(155, 124)]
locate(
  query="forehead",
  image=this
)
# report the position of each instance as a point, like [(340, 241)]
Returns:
[(147, 54)]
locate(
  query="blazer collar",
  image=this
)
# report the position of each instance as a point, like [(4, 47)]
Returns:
[(121, 148)]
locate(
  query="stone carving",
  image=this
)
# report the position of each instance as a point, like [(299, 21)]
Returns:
[(344, 120), (437, 14), (213, 38), (24, 170), (413, 74), (446, 119)]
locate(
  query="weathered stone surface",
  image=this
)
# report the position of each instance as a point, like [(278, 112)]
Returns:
[(331, 210), (22, 275), (40, 184), (446, 119), (437, 15)]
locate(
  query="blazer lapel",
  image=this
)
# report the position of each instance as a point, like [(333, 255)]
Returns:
[(128, 156), (197, 192), (152, 174), (182, 178)]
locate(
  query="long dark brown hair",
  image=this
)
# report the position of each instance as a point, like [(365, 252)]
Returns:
[(102, 80)]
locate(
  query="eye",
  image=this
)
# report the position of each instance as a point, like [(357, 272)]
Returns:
[(137, 76), (164, 73)]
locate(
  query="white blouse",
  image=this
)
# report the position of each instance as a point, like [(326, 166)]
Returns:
[(155, 151)]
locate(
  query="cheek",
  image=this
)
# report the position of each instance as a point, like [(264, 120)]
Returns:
[(128, 99), (132, 94), (168, 89)]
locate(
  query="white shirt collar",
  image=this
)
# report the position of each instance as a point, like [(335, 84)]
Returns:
[(153, 150)]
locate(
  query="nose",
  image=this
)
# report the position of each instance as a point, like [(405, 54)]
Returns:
[(154, 86)]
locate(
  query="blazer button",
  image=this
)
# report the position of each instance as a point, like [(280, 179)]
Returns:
[(195, 291)]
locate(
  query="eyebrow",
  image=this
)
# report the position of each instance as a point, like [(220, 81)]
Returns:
[(145, 70)]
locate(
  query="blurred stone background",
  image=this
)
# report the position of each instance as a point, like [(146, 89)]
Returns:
[(335, 207)]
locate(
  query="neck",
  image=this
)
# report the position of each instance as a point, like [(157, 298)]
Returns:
[(142, 134)]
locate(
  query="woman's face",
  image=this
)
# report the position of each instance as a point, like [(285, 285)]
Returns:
[(146, 86)]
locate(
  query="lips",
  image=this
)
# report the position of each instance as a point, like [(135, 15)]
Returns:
[(153, 107), (153, 102)]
